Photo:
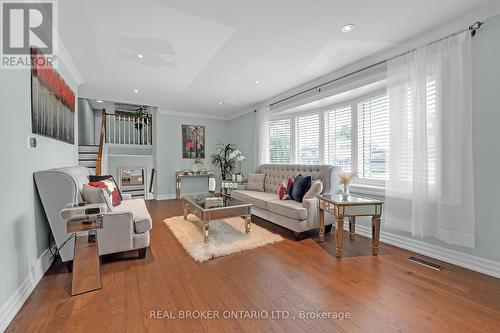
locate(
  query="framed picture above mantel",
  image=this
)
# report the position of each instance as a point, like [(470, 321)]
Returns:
[(193, 141)]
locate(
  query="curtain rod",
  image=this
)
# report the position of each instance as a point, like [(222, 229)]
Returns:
[(472, 28)]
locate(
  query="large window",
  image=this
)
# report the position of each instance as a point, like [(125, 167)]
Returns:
[(279, 141), (338, 137), (307, 139), (353, 135), (373, 138)]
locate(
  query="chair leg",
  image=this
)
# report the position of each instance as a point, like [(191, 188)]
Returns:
[(142, 252), (69, 266)]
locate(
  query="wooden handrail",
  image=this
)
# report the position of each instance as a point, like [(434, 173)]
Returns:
[(102, 139)]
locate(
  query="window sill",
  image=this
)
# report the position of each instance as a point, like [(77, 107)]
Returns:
[(368, 189)]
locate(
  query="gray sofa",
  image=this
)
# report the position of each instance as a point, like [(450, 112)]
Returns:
[(298, 217), (125, 228)]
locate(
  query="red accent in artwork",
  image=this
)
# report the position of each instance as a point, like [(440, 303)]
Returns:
[(49, 77), (189, 144)]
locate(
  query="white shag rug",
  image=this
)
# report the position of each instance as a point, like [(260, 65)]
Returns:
[(225, 236)]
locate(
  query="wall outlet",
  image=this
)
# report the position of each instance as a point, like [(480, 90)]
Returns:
[(32, 142)]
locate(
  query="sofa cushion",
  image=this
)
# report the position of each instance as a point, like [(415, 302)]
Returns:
[(300, 187), (256, 181), (256, 198), (316, 189), (95, 195), (142, 219), (288, 208), (94, 178), (110, 188), (285, 189)]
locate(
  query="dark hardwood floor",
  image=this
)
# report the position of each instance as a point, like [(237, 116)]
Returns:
[(382, 294)]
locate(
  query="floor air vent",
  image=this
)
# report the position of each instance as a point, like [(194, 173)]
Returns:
[(426, 263)]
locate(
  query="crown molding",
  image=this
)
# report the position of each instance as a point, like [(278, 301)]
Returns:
[(202, 115)]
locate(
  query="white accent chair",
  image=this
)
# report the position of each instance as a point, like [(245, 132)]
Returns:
[(125, 228)]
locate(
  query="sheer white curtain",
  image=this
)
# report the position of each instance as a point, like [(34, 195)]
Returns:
[(430, 188), (262, 136)]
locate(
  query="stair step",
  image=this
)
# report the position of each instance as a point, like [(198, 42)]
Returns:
[(135, 193), (88, 164), (126, 188), (88, 149)]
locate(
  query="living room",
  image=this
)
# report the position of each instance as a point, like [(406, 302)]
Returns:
[(250, 166)]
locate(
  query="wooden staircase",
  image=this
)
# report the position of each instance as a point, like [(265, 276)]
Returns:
[(87, 156)]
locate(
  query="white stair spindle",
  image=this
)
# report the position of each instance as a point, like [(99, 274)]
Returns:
[(129, 129)]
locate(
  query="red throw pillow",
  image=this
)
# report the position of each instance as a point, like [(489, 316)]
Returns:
[(285, 189), (110, 189)]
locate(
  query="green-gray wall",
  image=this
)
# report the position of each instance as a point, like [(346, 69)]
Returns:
[(169, 151), (24, 229), (486, 118)]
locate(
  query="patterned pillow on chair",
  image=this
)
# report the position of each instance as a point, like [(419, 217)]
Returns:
[(109, 187)]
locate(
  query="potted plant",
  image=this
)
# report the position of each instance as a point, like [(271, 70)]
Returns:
[(238, 157), (222, 160), (141, 118), (198, 165)]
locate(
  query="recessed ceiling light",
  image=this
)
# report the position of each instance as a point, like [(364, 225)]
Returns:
[(221, 102), (139, 55), (256, 82), (347, 28), (136, 91), (99, 101)]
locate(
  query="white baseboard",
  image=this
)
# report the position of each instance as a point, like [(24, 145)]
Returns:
[(165, 197), (475, 263), (9, 309)]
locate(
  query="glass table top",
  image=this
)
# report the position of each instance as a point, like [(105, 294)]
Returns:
[(352, 199), (200, 200)]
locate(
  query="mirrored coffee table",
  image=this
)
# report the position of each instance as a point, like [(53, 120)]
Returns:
[(204, 210), (351, 206)]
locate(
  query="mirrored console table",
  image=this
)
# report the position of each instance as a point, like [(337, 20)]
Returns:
[(183, 174)]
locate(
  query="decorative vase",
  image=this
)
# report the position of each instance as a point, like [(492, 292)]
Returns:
[(239, 177), (233, 177), (345, 190), (195, 167)]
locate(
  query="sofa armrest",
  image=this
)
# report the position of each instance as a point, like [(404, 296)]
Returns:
[(312, 213), (117, 233), (126, 196)]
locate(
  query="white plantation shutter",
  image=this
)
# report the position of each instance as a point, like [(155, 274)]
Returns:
[(432, 130), (307, 139), (373, 138), (338, 137), (279, 141)]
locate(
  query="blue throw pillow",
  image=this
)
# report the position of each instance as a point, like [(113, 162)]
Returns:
[(301, 185)]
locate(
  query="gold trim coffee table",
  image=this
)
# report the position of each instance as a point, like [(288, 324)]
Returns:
[(196, 204), (352, 206)]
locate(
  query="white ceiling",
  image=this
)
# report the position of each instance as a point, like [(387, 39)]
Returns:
[(200, 52)]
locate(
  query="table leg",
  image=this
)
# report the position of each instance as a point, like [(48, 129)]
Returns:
[(248, 223), (339, 235), (86, 266), (177, 187), (375, 234), (205, 231), (352, 227), (185, 211), (321, 219)]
